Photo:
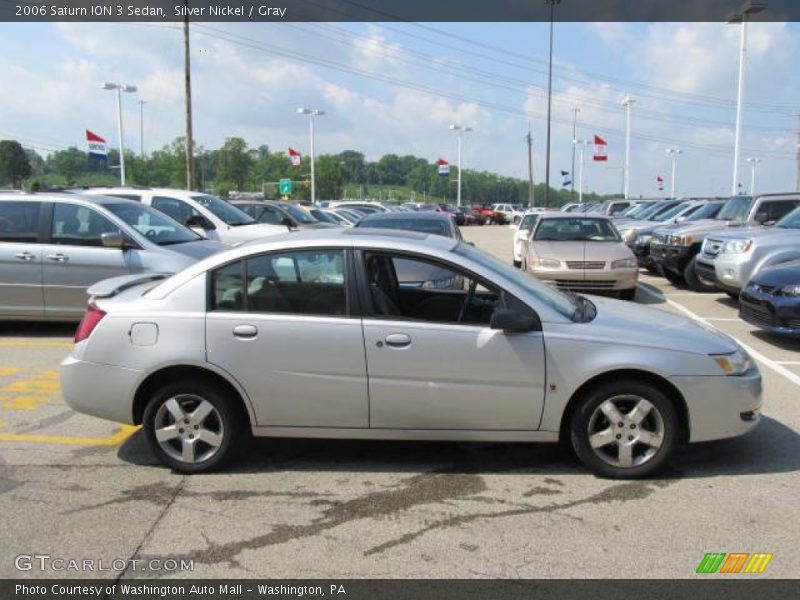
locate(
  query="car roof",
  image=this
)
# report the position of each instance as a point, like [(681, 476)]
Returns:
[(397, 216), (60, 196), (563, 215)]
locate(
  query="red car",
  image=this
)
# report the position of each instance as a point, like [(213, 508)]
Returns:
[(488, 213)]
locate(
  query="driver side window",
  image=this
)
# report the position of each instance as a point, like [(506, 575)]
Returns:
[(404, 287), (172, 207)]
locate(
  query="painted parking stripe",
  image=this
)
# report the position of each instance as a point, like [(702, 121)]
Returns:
[(33, 344), (123, 434), (723, 319), (768, 362)]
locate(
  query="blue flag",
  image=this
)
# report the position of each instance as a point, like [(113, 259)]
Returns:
[(565, 179)]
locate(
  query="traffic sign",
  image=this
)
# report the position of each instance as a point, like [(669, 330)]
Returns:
[(285, 186)]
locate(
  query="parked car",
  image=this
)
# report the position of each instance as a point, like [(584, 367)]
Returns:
[(508, 213), (350, 215), (470, 216), (522, 235), (581, 252), (612, 208), (742, 211), (424, 222), (366, 206), (451, 211), (281, 213), (488, 213), (289, 351), (208, 215), (741, 253), (54, 246), (771, 299), (336, 218)]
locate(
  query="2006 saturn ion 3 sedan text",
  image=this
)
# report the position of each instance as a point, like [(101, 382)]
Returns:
[(317, 334)]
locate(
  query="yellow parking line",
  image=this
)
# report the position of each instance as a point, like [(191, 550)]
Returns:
[(23, 343), (8, 371), (123, 434)]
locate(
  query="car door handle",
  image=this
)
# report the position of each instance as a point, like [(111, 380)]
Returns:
[(25, 256), (245, 331), (58, 257), (398, 340)]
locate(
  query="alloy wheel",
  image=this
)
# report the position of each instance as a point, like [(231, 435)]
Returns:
[(188, 428)]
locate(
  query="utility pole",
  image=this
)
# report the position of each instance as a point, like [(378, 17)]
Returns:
[(552, 4), (529, 141), (141, 127), (575, 110), (188, 84), (627, 102), (797, 184)]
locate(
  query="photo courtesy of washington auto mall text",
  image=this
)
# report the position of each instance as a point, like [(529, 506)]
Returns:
[(399, 300)]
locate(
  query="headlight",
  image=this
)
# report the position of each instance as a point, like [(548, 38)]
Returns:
[(628, 235), (736, 246), (735, 363), (625, 263), (643, 239), (546, 263), (790, 290)]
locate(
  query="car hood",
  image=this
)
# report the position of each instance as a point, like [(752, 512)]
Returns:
[(581, 250), (708, 225), (755, 233), (780, 275), (621, 322), (197, 250), (252, 231)]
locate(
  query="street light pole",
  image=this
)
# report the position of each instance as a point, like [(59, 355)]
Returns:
[(141, 127), (575, 110), (627, 102), (674, 152), (753, 162), (461, 130), (312, 113), (748, 8), (582, 144), (119, 89)]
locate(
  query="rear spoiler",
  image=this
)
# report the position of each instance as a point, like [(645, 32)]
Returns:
[(116, 285)]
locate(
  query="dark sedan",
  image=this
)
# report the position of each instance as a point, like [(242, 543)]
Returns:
[(771, 299), (280, 213), (423, 222)]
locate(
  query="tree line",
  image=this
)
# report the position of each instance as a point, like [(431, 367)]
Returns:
[(237, 167)]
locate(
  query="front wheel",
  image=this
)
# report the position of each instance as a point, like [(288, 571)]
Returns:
[(191, 426), (694, 281), (624, 430)]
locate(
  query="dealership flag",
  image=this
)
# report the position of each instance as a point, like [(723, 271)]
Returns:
[(600, 148), (565, 179), (444, 167), (660, 182), (97, 145), (294, 156)]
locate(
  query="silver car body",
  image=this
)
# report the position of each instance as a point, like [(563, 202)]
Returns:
[(44, 274), (343, 377), (224, 221)]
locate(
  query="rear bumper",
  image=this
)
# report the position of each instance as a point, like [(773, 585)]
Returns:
[(721, 406), (99, 390)]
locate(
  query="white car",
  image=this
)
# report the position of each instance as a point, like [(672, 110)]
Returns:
[(522, 234), (511, 213), (211, 217)]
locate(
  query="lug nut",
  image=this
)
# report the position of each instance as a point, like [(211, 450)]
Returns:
[(619, 436), (197, 426), (630, 438), (621, 425), (191, 436), (180, 430), (633, 426)]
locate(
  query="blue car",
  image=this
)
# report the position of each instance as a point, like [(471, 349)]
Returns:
[(771, 299)]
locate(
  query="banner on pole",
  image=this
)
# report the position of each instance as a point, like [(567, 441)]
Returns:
[(444, 167), (295, 157), (97, 146), (600, 148)]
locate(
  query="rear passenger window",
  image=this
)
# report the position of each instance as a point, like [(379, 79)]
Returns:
[(227, 289), (76, 225), (19, 222), (172, 207)]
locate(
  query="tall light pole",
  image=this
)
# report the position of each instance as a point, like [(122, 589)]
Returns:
[(529, 142), (753, 160), (747, 9), (552, 4), (461, 130), (141, 104), (673, 152), (119, 87), (582, 144), (312, 114), (575, 110), (627, 102)]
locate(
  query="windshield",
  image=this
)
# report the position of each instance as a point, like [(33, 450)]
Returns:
[(153, 224), (636, 210), (298, 214), (434, 226), (322, 216), (790, 221), (221, 209), (735, 209), (576, 230), (674, 211), (706, 211), (556, 300), (658, 213)]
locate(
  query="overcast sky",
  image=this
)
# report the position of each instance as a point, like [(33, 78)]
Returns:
[(395, 88)]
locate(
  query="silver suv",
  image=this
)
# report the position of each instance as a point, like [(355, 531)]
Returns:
[(54, 246), (738, 255)]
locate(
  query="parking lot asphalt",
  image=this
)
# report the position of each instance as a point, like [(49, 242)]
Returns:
[(75, 487)]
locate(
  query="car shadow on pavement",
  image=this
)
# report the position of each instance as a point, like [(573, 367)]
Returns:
[(728, 301), (780, 341), (649, 294), (37, 329), (771, 448)]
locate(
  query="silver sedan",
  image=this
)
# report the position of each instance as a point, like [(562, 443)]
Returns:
[(316, 334)]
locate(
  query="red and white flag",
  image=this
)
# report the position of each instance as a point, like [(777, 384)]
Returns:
[(444, 167), (97, 145), (600, 148), (295, 157), (660, 182)]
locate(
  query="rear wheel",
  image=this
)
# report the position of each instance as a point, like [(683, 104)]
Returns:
[(624, 430), (694, 281), (192, 427)]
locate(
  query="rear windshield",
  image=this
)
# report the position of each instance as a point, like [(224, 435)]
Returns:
[(434, 227), (227, 212)]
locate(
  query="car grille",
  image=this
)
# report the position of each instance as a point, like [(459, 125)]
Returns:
[(585, 285), (754, 313), (591, 264), (712, 247)]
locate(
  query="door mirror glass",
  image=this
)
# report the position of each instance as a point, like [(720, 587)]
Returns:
[(289, 223), (513, 322)]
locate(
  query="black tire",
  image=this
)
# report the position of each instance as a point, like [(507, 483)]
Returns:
[(662, 417), (224, 421), (733, 295), (517, 263), (673, 278), (695, 283), (652, 269), (628, 294)]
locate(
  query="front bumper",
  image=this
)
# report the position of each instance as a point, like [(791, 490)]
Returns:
[(705, 269), (721, 406), (611, 280), (732, 271), (671, 258), (776, 314), (99, 390)]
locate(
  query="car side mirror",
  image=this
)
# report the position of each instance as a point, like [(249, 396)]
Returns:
[(290, 224), (114, 240), (761, 218), (200, 222), (513, 322)]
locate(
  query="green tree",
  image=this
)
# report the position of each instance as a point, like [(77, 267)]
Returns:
[(69, 163), (233, 162), (329, 177), (14, 163)]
